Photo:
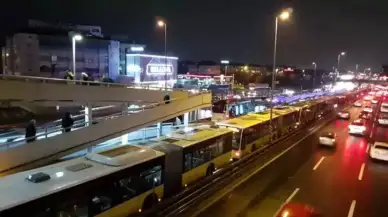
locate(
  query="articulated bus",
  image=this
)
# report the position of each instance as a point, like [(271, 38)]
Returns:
[(252, 131), (119, 181), (115, 182)]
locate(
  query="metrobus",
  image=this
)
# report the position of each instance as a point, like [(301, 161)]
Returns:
[(252, 131), (204, 149), (118, 181), (115, 182)]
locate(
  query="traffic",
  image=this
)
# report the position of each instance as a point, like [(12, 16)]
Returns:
[(346, 176), (133, 178)]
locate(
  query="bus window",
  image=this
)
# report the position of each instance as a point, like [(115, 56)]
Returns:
[(213, 148)]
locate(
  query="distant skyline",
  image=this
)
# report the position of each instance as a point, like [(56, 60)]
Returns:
[(241, 31)]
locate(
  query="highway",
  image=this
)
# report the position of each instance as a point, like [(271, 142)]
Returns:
[(337, 182)]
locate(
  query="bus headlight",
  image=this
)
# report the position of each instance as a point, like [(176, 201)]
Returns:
[(237, 153)]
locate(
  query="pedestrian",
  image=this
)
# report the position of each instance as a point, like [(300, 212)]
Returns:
[(67, 122), (31, 131)]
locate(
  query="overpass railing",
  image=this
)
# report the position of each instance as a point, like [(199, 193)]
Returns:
[(56, 130)]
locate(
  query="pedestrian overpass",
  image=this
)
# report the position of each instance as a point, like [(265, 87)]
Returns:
[(43, 151), (154, 110)]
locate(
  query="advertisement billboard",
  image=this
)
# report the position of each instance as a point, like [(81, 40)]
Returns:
[(151, 68)]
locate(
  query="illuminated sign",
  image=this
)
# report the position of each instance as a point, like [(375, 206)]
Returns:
[(159, 68), (138, 49)]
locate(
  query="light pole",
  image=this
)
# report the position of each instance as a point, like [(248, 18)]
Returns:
[(284, 15), (226, 63), (162, 24), (339, 60), (74, 39), (315, 72)]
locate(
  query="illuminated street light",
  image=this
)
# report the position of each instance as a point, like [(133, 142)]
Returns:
[(339, 61), (74, 39), (315, 72), (162, 24), (284, 15)]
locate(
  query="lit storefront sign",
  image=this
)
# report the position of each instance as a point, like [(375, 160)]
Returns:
[(156, 68), (151, 68)]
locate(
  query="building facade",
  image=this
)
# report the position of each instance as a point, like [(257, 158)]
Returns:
[(45, 50)]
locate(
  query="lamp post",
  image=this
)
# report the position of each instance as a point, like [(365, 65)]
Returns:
[(315, 72), (74, 39), (284, 15), (225, 63), (162, 24), (339, 60)]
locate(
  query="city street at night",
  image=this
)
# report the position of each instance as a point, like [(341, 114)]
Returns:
[(335, 181)]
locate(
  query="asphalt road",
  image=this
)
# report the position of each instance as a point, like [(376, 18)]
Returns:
[(337, 182)]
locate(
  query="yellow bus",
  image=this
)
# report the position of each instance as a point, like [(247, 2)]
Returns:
[(252, 131), (204, 149), (115, 182), (119, 181)]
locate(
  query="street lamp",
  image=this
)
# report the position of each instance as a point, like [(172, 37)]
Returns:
[(284, 15), (74, 39), (339, 60), (162, 24), (315, 72)]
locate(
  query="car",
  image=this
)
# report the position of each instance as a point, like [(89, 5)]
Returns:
[(357, 104), (368, 108), (368, 98), (383, 119), (365, 115), (327, 139), (358, 127), (384, 107), (379, 151), (297, 210), (343, 114)]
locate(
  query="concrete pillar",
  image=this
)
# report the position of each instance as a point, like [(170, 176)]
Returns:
[(88, 114), (124, 139), (186, 119), (159, 129)]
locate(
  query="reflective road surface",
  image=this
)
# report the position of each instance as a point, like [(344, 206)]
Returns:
[(341, 181)]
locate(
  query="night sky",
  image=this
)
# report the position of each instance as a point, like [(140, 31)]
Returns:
[(239, 30)]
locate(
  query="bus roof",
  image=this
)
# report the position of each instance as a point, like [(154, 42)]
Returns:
[(253, 119), (189, 136), (16, 189)]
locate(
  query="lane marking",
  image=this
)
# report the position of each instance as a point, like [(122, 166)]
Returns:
[(289, 198), (361, 172), (351, 209), (319, 162), (367, 148), (292, 195), (228, 190)]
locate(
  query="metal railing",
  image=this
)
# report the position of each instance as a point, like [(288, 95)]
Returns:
[(35, 79), (58, 129)]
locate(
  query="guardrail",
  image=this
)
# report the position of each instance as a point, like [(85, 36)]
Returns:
[(92, 83), (77, 82), (209, 185), (58, 129)]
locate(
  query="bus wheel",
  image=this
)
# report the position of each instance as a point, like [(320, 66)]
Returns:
[(150, 201), (210, 170)]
